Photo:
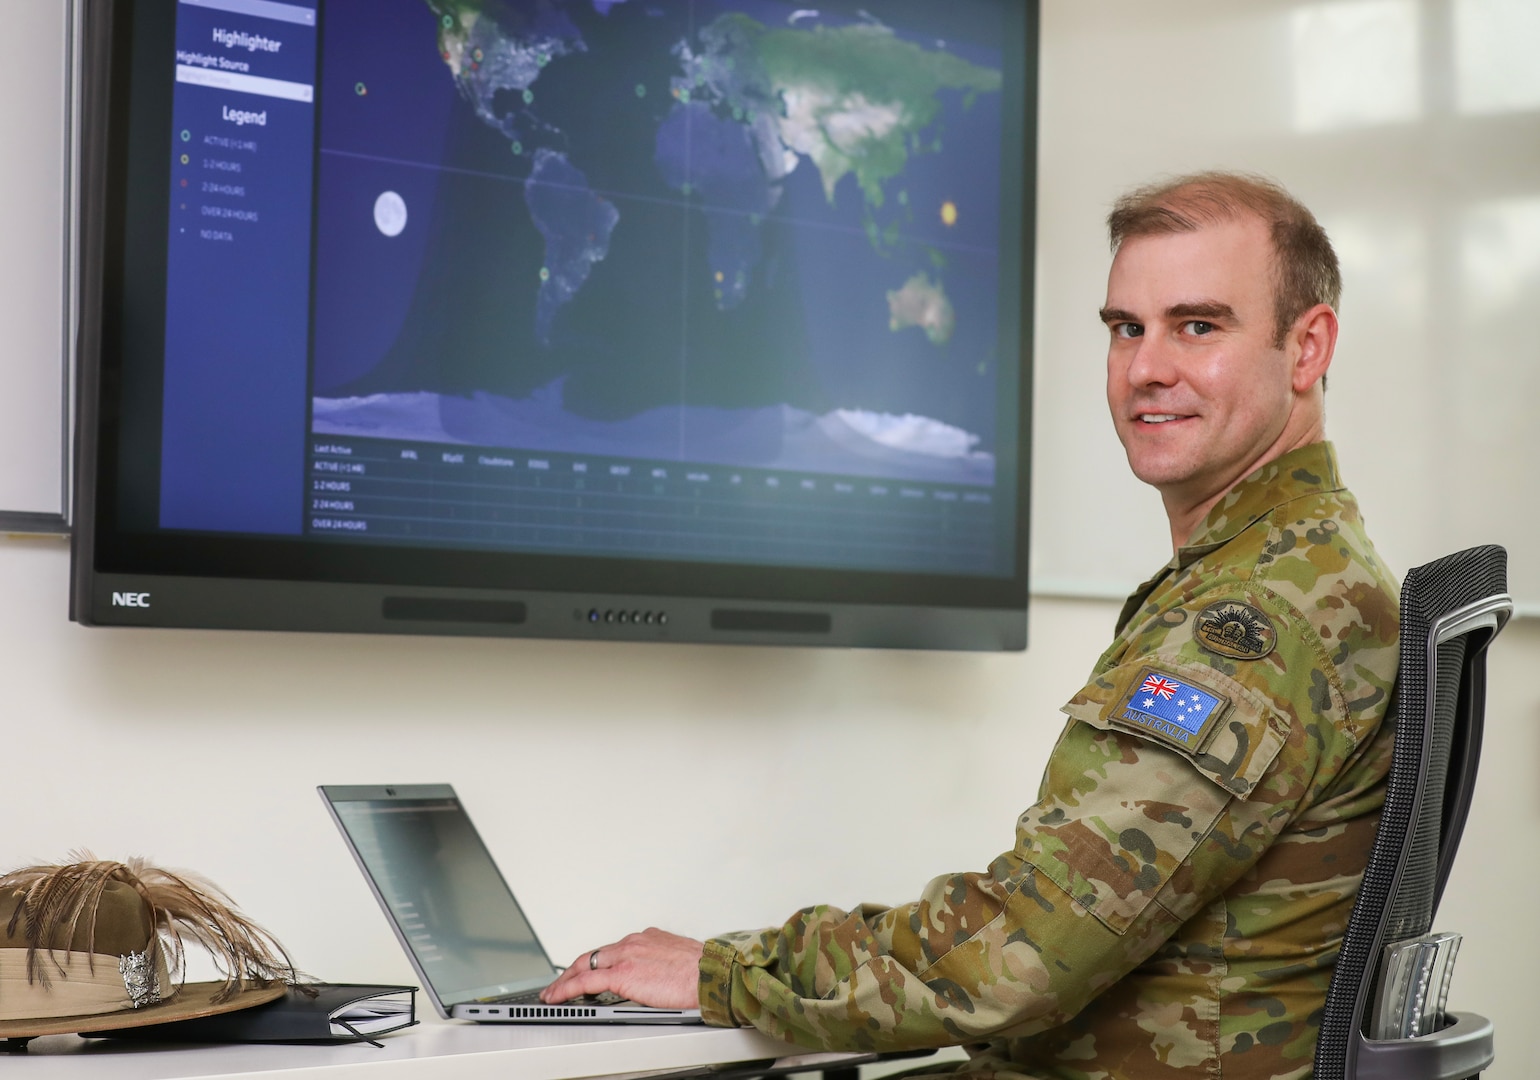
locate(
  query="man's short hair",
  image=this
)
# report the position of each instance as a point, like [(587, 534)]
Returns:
[(1305, 270)]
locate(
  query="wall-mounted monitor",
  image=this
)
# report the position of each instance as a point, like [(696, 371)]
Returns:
[(680, 320)]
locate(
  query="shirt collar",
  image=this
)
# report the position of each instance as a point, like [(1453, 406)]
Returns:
[(1308, 470)]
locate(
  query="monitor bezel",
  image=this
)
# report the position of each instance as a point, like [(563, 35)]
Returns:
[(212, 580)]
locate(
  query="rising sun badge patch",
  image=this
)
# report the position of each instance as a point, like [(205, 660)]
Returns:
[(1172, 709), (1239, 631)]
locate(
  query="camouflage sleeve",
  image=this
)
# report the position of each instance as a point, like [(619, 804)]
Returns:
[(1176, 771)]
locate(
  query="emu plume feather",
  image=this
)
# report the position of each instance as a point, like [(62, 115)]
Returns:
[(56, 899)]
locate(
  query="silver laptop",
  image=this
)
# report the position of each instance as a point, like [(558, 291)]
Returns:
[(453, 913)]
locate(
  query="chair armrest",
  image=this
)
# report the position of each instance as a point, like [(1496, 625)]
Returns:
[(1460, 1050)]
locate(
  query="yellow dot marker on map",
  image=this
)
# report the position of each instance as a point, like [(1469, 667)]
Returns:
[(949, 213)]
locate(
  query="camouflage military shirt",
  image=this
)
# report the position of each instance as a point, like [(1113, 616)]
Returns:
[(1174, 901)]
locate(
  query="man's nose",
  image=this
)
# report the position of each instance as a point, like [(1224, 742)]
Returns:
[(1153, 363)]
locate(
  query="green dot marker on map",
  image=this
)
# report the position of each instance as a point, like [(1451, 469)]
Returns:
[(448, 21), (360, 89), (529, 97), (545, 273), (641, 90), (518, 148), (684, 96)]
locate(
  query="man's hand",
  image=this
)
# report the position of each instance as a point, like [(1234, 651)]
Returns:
[(654, 967)]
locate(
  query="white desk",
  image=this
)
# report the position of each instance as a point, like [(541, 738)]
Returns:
[(434, 1050)]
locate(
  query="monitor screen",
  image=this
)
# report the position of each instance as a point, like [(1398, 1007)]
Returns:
[(691, 319)]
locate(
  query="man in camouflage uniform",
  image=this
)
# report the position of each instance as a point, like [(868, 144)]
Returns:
[(1175, 898)]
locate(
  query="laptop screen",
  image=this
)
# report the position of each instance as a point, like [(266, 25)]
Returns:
[(451, 907)]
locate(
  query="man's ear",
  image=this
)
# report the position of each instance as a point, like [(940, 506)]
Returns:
[(1313, 340)]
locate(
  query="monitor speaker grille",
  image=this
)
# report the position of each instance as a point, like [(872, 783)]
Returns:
[(436, 609), (774, 622)]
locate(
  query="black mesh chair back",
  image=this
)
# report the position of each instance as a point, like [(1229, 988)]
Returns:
[(1451, 610)]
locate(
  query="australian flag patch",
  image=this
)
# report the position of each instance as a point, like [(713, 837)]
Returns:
[(1172, 709)]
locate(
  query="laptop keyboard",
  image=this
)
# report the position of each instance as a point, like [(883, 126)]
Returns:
[(532, 997)]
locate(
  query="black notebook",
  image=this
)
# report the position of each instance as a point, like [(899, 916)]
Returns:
[(337, 1012)]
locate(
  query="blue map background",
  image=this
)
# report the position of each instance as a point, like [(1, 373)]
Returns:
[(434, 334)]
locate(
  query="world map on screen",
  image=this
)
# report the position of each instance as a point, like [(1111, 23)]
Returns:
[(764, 235)]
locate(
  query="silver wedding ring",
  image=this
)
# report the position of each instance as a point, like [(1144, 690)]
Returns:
[(593, 960)]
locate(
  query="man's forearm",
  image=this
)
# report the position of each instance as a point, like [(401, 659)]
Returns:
[(834, 980)]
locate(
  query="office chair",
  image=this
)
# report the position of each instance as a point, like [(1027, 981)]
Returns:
[(1391, 973)]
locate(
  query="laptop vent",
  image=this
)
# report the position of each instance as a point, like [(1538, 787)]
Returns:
[(550, 1012)]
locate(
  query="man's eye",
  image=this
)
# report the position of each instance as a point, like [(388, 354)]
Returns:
[(1198, 327), (1128, 330)]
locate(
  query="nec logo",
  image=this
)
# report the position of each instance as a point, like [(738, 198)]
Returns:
[(131, 599)]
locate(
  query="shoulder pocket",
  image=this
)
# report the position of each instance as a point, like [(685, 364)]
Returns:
[(1123, 810), (1227, 731)]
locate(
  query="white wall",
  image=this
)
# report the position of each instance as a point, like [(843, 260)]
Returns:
[(701, 789), (1412, 129)]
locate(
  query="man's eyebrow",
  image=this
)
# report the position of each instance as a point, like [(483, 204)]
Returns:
[(1112, 315), (1201, 309)]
